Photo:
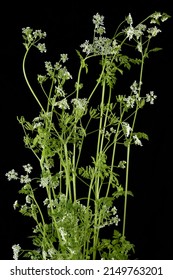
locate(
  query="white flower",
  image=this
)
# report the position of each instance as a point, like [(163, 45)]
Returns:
[(16, 248), (150, 97), (164, 17), (122, 164), (137, 141), (12, 175), (115, 220), (134, 87), (28, 168), (44, 254), (98, 20), (114, 210), (126, 128), (153, 31), (155, 17), (39, 33), (63, 104), (139, 47), (130, 31), (87, 47), (64, 57), (130, 101), (80, 103), (28, 199), (129, 19), (41, 47), (24, 179), (44, 182), (15, 204)]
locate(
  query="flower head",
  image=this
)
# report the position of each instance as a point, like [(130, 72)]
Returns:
[(16, 249), (15, 204), (28, 168), (137, 141), (129, 19), (126, 128), (64, 57), (150, 97), (12, 175), (98, 21), (153, 31)]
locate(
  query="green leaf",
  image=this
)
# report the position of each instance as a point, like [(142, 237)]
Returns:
[(142, 135), (155, 50)]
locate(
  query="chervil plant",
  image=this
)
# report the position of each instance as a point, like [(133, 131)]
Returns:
[(81, 139)]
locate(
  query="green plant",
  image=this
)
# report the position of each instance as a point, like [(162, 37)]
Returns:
[(80, 196)]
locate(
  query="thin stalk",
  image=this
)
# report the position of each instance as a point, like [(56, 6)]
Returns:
[(67, 173), (126, 191), (97, 181), (27, 82)]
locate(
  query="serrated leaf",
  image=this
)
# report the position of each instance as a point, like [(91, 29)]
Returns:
[(142, 135)]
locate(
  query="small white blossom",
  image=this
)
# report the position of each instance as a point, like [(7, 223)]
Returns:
[(41, 78), (41, 47), (87, 47), (139, 30), (122, 164), (46, 201), (63, 104), (59, 91), (112, 130), (153, 31), (130, 31), (134, 87), (24, 179), (155, 17), (137, 140), (16, 249), (15, 204), (139, 47), (126, 128), (44, 182), (44, 254), (164, 17), (129, 19), (64, 57), (150, 97), (12, 175), (80, 103), (115, 220), (63, 234), (28, 168), (98, 20), (114, 210), (39, 33), (28, 199), (130, 101)]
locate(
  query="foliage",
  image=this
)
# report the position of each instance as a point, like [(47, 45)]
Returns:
[(80, 200)]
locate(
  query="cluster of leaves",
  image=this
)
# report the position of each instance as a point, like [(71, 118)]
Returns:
[(68, 222)]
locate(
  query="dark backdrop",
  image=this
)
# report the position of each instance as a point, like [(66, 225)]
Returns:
[(68, 24)]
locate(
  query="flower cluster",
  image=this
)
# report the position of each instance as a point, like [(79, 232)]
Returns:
[(16, 249), (138, 31), (24, 179), (101, 45), (33, 37)]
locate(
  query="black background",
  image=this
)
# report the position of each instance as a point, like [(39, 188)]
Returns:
[(68, 24)]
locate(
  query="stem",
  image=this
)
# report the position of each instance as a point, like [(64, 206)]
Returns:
[(126, 191), (67, 173), (26, 79)]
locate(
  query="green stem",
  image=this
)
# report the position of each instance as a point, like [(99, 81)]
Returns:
[(126, 191), (26, 79)]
